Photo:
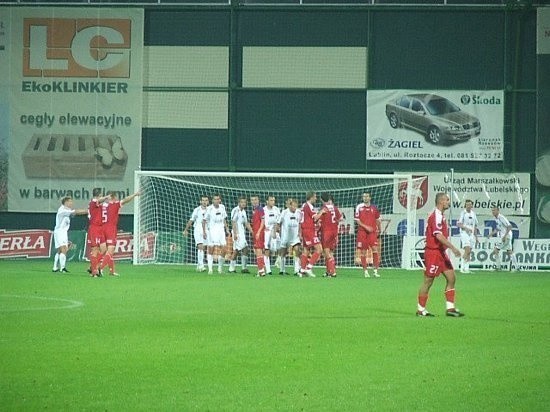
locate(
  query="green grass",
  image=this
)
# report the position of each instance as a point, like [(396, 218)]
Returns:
[(166, 338)]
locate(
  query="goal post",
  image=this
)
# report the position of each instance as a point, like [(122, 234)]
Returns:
[(168, 199)]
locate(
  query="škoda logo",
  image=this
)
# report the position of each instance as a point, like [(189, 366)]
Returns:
[(76, 47)]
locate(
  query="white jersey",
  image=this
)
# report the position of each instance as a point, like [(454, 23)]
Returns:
[(468, 222), (239, 216), (63, 218), (215, 216), (290, 220), (290, 225), (271, 217), (198, 215), (502, 225), (215, 223)]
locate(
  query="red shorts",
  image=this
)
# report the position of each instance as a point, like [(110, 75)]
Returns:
[(329, 240), (95, 236), (109, 233), (259, 243), (366, 240), (310, 238), (436, 262)]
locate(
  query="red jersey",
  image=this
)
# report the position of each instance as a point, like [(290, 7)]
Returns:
[(257, 216), (110, 213), (307, 223), (368, 215), (436, 224), (330, 219), (94, 213)]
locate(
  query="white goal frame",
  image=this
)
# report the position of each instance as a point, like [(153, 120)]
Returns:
[(409, 256)]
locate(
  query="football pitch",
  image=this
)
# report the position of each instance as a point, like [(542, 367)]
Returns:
[(167, 338)]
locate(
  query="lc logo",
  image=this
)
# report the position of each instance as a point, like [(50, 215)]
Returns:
[(76, 47)]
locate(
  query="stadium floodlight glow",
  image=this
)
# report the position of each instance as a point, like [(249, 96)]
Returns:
[(168, 199)]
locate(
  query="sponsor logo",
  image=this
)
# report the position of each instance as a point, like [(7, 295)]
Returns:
[(405, 144), (419, 191), (147, 246), (480, 100), (124, 248), (64, 47), (25, 243), (378, 143)]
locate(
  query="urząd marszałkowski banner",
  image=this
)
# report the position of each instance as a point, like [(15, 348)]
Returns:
[(72, 84), (435, 125), (509, 192)]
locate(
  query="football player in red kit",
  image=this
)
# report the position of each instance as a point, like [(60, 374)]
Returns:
[(436, 260), (110, 211), (330, 220), (257, 234), (367, 217), (95, 232), (308, 234)]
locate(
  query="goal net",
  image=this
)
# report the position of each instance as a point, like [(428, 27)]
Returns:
[(169, 198)]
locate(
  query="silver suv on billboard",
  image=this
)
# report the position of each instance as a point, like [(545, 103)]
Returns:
[(438, 119)]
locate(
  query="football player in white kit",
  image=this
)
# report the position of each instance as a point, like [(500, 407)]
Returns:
[(503, 230), (196, 219), (270, 228), (215, 226), (468, 224), (289, 223), (239, 221), (61, 232)]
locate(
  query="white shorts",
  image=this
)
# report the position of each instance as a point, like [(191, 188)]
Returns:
[(271, 243), (216, 236), (198, 234), (504, 245), (289, 238), (240, 243), (60, 238), (467, 239)]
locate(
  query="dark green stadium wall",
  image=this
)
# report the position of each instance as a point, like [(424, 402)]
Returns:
[(275, 128)]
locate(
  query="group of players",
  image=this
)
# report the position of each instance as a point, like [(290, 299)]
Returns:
[(103, 213), (306, 233)]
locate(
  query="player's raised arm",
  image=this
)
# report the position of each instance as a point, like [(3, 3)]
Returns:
[(130, 198)]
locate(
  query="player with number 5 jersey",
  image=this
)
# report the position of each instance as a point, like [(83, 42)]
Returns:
[(110, 214), (95, 237)]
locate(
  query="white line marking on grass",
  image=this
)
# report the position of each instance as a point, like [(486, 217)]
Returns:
[(69, 304)]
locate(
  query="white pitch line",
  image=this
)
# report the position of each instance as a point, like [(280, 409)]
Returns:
[(71, 304)]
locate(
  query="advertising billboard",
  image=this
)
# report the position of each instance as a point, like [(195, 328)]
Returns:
[(445, 125), (72, 103)]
